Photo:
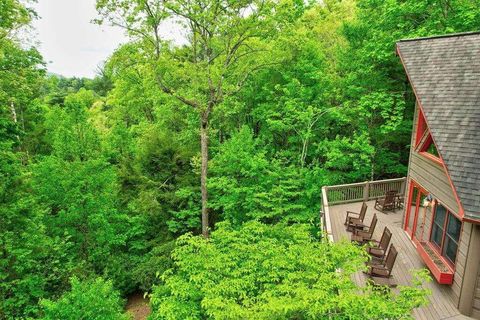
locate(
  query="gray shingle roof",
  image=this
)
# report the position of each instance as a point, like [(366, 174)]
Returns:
[(445, 74)]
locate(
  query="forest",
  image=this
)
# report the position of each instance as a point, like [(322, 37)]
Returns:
[(192, 172)]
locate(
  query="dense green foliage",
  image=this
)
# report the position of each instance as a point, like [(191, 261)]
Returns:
[(264, 272), (89, 300), (100, 177)]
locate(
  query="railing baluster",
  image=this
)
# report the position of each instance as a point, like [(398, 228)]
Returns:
[(356, 191)]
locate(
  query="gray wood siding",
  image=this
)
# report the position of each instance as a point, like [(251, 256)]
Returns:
[(461, 260), (429, 174), (473, 275), (476, 300), (434, 179)]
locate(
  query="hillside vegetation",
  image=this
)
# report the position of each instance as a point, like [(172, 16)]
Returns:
[(192, 171)]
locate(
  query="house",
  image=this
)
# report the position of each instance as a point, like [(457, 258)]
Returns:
[(439, 224), (442, 207)]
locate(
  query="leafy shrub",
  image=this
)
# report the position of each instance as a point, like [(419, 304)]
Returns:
[(157, 261), (90, 300), (246, 184), (272, 272)]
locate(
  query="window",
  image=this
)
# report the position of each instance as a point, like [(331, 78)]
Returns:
[(446, 232), (431, 149), (421, 128), (452, 236), (423, 141), (438, 223)]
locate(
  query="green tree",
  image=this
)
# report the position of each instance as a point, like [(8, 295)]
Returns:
[(22, 238), (24, 247), (78, 187), (13, 15), (259, 271), (223, 42), (89, 300), (246, 185), (21, 79), (377, 98)]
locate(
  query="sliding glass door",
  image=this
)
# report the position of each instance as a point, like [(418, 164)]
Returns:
[(411, 208), (416, 212)]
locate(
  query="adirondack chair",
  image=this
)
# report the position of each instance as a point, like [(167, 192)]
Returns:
[(362, 236), (353, 218), (387, 203), (379, 248), (384, 268)]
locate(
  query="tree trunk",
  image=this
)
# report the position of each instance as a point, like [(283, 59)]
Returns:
[(204, 172), (13, 111)]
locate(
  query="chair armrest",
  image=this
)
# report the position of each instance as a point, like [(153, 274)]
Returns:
[(350, 213), (362, 233), (366, 229), (378, 267)]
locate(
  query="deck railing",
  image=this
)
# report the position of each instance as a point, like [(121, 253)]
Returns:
[(356, 192)]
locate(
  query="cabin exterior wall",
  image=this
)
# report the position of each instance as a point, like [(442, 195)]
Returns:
[(433, 178), (430, 174)]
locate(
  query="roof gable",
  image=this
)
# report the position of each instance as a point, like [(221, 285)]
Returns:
[(445, 75)]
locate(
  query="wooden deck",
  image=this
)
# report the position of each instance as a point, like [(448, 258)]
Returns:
[(441, 305)]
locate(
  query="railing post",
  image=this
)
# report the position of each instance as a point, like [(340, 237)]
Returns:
[(403, 186), (366, 189), (327, 224)]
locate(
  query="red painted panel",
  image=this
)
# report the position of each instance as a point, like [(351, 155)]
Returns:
[(442, 277), (421, 126)]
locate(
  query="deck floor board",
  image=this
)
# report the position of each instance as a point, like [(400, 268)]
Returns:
[(441, 305)]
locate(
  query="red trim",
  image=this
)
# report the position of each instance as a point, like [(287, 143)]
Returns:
[(409, 208), (442, 277), (461, 210), (421, 190), (445, 224), (471, 220), (423, 149), (421, 127), (431, 157)]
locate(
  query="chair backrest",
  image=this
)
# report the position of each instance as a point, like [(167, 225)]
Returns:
[(390, 196), (385, 240), (390, 260), (372, 224), (363, 211)]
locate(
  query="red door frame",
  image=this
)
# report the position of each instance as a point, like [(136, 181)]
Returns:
[(421, 190)]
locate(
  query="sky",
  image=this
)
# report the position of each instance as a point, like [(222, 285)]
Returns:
[(70, 44)]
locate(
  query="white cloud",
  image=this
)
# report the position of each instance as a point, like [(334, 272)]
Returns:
[(69, 42), (72, 45)]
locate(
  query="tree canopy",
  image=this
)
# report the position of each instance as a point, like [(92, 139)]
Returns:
[(108, 184), (259, 271)]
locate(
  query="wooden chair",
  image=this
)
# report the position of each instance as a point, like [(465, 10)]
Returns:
[(353, 218), (387, 203), (400, 200), (379, 249), (384, 268), (362, 236), (382, 282)]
